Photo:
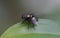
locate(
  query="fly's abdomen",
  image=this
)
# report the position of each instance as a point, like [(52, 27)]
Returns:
[(34, 21)]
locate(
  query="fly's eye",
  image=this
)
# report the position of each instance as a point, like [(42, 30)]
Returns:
[(29, 15)]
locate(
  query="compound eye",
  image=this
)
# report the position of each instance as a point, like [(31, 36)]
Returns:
[(28, 15)]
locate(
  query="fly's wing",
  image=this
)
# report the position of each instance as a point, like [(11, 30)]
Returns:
[(34, 21), (41, 15)]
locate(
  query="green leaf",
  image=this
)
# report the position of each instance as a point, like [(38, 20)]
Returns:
[(44, 29)]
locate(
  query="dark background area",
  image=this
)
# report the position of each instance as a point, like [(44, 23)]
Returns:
[(8, 14)]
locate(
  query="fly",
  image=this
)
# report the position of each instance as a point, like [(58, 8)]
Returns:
[(30, 20)]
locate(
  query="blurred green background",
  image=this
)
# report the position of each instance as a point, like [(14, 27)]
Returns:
[(12, 9)]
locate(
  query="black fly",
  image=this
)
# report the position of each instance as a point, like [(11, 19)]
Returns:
[(29, 19)]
